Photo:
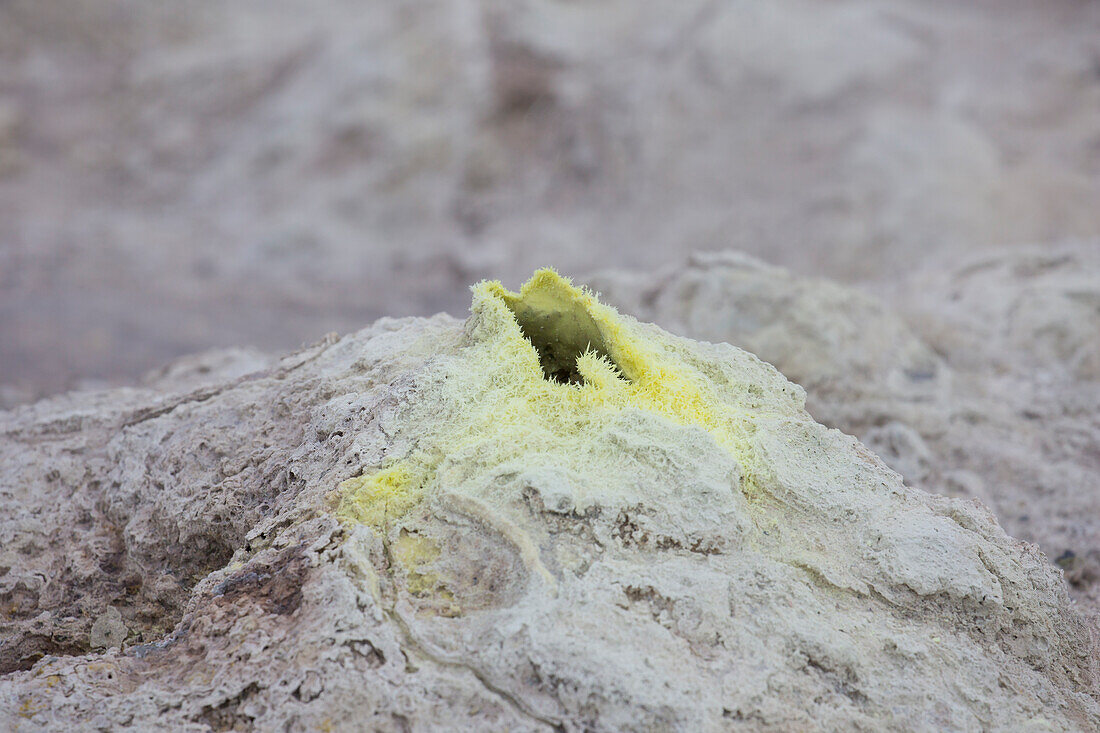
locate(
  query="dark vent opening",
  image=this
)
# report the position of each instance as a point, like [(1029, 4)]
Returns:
[(561, 331)]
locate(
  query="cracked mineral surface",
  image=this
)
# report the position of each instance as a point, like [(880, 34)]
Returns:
[(548, 516)]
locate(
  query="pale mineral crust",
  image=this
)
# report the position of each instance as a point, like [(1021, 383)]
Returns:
[(982, 382), (173, 558)]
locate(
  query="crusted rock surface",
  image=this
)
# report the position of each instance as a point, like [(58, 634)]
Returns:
[(984, 381), (549, 516)]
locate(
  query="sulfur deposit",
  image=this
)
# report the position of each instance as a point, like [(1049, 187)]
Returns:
[(549, 516)]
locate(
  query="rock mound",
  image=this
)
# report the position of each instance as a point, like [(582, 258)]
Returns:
[(549, 516)]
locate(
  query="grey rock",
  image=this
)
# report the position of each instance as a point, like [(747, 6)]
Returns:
[(634, 573), (108, 631)]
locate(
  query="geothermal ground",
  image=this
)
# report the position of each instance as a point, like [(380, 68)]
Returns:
[(549, 516), (892, 202)]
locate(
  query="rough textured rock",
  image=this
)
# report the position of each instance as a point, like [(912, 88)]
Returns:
[(435, 522), (983, 383)]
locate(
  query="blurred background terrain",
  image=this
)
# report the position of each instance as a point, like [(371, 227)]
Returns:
[(179, 176)]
